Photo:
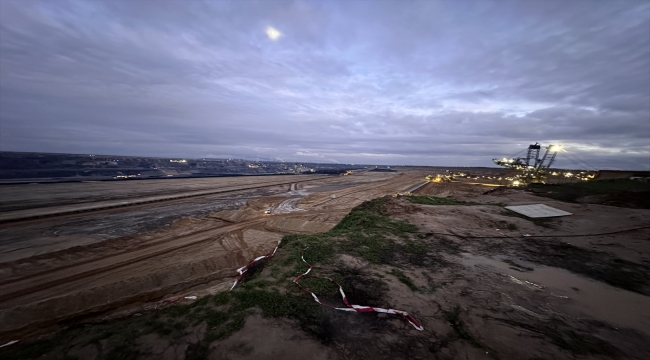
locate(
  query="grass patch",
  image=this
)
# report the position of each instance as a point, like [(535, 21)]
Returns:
[(404, 279), (154, 324), (432, 286), (365, 232), (310, 315), (376, 249), (256, 283), (236, 321), (376, 205), (363, 220), (221, 298), (323, 288), (272, 303)]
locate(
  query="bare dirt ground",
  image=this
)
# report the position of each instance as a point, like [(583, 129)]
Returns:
[(55, 269), (485, 283), (31, 196)]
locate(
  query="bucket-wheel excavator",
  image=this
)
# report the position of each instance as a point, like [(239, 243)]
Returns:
[(534, 169)]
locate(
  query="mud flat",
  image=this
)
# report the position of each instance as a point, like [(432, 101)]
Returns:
[(483, 282)]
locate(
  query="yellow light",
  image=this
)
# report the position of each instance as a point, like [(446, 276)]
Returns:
[(273, 33), (556, 148), (516, 183)]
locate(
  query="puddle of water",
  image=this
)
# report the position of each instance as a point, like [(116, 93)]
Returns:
[(592, 298)]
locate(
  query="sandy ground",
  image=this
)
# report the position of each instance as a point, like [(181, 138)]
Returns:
[(33, 196), (62, 268), (501, 286)]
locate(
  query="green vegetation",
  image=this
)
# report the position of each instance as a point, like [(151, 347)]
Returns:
[(616, 192), (367, 232), (404, 279), (274, 304), (432, 200), (432, 286)]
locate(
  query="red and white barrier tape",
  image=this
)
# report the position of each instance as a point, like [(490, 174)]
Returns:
[(351, 307), (172, 299), (243, 269), (10, 343)]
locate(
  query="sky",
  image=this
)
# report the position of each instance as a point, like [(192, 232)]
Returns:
[(448, 83)]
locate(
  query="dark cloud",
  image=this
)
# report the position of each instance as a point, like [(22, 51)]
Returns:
[(390, 82)]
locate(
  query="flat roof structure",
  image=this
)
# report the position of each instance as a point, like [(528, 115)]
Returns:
[(537, 211)]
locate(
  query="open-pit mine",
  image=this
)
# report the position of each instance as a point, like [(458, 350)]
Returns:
[(71, 250), (432, 264)]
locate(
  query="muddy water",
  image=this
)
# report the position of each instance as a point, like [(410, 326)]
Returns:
[(578, 295)]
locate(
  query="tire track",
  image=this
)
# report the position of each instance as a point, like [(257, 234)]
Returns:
[(52, 278)]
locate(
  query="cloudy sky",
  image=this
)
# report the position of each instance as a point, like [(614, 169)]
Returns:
[(379, 82)]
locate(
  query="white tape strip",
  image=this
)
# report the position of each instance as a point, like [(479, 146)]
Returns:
[(243, 269), (9, 343), (351, 307)]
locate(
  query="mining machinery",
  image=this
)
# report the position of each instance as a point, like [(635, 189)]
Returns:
[(532, 166)]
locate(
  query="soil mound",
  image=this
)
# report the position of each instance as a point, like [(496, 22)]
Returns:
[(629, 199)]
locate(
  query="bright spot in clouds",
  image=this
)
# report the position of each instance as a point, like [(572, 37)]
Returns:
[(273, 33)]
